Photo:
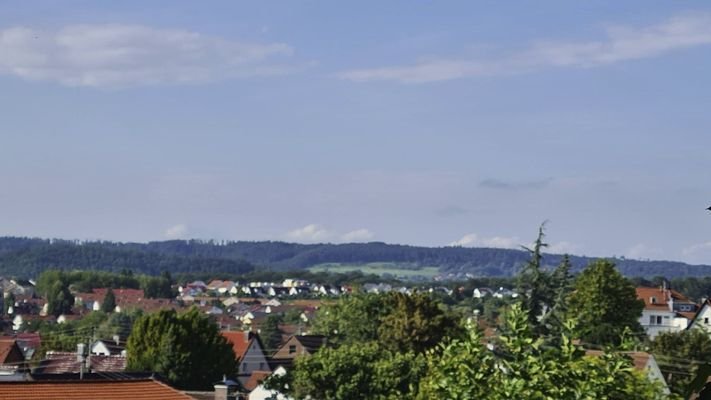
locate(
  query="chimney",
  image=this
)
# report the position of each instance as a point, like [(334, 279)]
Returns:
[(116, 339), (226, 389), (81, 359)]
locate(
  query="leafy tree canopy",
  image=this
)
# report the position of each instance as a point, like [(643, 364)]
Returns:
[(186, 348), (605, 304), (525, 366)]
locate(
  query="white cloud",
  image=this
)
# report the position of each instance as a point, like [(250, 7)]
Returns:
[(473, 240), (358, 235), (563, 248), (179, 231), (314, 233), (620, 44), (115, 55), (699, 253), (642, 251), (310, 233)]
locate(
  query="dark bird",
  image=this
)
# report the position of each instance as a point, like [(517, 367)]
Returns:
[(709, 208)]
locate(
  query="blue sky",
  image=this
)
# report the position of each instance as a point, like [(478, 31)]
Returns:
[(429, 123)]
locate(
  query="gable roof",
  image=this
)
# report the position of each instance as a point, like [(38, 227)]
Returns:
[(10, 352), (140, 389), (311, 342), (661, 297), (240, 341)]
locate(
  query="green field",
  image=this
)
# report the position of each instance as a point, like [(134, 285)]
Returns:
[(378, 268)]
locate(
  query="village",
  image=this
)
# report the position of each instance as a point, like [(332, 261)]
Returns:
[(245, 314)]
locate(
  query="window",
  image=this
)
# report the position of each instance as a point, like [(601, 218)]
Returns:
[(659, 319), (244, 367), (653, 300), (651, 320), (292, 349), (706, 321)]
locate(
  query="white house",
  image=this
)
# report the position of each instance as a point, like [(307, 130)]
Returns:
[(665, 310), (702, 319), (261, 393)]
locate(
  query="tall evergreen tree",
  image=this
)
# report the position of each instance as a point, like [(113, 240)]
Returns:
[(109, 303)]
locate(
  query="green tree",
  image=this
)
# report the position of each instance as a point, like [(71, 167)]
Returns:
[(679, 355), (187, 349), (109, 304), (270, 334), (605, 304), (357, 371), (526, 366), (544, 293), (416, 323), (59, 299), (352, 319)]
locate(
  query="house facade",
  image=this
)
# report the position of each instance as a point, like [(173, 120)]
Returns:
[(665, 310)]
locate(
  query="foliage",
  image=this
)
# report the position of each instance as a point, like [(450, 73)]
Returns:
[(604, 304), (270, 334), (109, 303), (679, 355), (357, 371), (54, 286), (66, 336), (25, 257), (399, 321), (187, 349), (352, 319), (415, 323), (526, 366)]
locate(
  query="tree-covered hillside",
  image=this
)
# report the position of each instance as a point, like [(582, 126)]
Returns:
[(26, 257)]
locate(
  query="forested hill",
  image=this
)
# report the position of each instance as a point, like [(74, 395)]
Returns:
[(26, 257)]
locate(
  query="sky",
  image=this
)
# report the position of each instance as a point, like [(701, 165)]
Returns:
[(416, 122)]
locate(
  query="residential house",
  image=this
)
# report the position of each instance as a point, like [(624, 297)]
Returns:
[(259, 392), (665, 310), (248, 352), (702, 318), (297, 346), (480, 293), (11, 356), (108, 347)]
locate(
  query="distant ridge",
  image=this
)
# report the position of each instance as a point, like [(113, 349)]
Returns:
[(27, 257)]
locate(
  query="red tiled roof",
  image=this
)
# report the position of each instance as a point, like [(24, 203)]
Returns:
[(240, 342), (255, 379), (661, 296), (9, 351), (144, 389)]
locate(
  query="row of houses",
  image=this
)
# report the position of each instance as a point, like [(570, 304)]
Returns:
[(287, 288)]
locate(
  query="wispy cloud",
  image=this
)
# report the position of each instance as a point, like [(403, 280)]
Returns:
[(697, 253), (358, 235), (620, 43), (115, 55), (451, 211), (474, 240), (314, 233), (504, 185), (642, 251), (179, 231)]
